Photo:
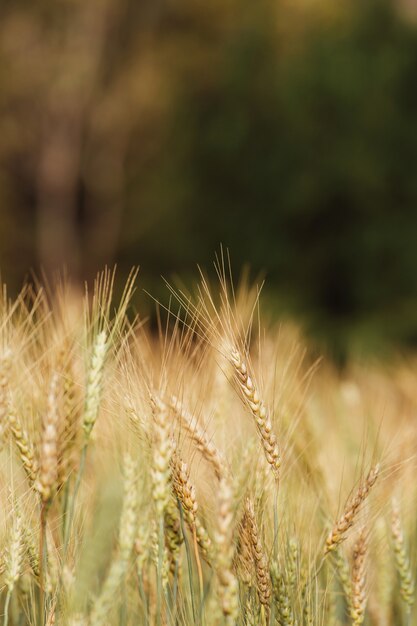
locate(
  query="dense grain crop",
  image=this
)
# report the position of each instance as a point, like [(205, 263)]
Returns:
[(212, 474)]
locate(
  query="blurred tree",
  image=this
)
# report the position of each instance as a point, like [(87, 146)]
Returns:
[(150, 132), (73, 73)]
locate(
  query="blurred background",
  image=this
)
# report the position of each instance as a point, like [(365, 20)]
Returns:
[(150, 131)]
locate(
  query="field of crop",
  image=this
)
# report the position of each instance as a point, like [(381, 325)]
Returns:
[(211, 473)]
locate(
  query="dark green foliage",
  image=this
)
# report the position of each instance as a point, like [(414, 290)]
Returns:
[(294, 145), (303, 163)]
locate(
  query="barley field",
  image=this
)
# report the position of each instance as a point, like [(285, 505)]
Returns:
[(213, 472)]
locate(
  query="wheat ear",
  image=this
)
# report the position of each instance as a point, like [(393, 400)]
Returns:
[(343, 573), (173, 536), (257, 408), (243, 558), (402, 563), (5, 364), (358, 591), (198, 435), (292, 567), (24, 446), (141, 546), (185, 492), (346, 521), (94, 383), (282, 597), (228, 585), (162, 452), (68, 434), (48, 467), (32, 550), (14, 553), (263, 579), (13, 561)]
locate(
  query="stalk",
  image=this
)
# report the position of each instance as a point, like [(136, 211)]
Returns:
[(6, 608)]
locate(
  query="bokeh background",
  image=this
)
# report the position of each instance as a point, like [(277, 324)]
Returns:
[(150, 131)]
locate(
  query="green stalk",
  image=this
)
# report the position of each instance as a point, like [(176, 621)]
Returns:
[(65, 502), (159, 576), (175, 590), (143, 598), (6, 607), (42, 562)]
